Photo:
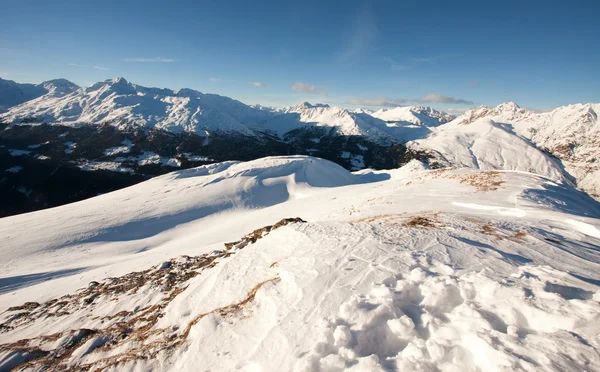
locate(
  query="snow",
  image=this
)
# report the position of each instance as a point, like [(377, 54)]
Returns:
[(105, 165), (125, 148), (121, 103), (70, 147), (148, 157), (571, 133), (191, 157), (14, 152), (15, 169), (409, 269), (486, 144)]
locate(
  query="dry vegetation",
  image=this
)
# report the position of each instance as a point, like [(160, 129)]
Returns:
[(483, 181), (426, 219), (126, 335)]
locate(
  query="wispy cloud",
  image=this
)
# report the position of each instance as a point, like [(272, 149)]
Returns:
[(424, 59), (307, 88), (154, 59), (382, 101), (214, 79), (101, 68), (395, 65), (363, 34), (258, 84)]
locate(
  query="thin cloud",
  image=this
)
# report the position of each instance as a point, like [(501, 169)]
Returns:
[(214, 79), (395, 65), (424, 59), (258, 84), (155, 60), (363, 34), (382, 101), (101, 68), (307, 88)]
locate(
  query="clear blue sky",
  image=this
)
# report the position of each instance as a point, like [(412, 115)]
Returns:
[(446, 54)]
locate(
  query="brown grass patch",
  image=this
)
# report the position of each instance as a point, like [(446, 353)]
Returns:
[(489, 229), (483, 181), (519, 235), (420, 221)]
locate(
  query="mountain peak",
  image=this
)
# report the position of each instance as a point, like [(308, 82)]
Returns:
[(508, 106), (118, 80), (187, 92), (61, 86)]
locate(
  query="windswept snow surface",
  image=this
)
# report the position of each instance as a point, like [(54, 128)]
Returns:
[(410, 269)]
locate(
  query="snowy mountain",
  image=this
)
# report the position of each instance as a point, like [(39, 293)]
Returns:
[(488, 145), (295, 264), (119, 102), (12, 93), (417, 115), (570, 133)]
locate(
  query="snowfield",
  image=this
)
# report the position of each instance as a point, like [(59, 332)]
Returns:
[(293, 263)]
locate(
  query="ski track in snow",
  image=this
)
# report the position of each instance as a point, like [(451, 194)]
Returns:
[(407, 269)]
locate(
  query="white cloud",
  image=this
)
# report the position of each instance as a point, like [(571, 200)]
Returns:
[(102, 68), (76, 65), (214, 79), (437, 98), (258, 84), (307, 88), (154, 59)]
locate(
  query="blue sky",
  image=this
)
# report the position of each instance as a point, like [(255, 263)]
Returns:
[(449, 55)]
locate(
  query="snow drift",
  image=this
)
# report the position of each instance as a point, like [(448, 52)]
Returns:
[(413, 269)]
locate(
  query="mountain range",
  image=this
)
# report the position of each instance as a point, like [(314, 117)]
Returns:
[(116, 133)]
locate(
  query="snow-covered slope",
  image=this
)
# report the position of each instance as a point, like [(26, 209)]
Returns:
[(417, 115), (571, 133), (486, 144), (12, 93), (408, 269)]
